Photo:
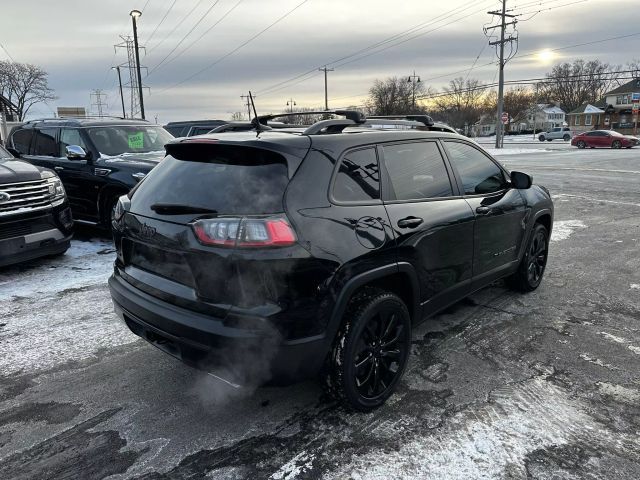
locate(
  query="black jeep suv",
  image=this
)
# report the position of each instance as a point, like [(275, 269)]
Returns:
[(35, 219), (97, 160), (281, 254)]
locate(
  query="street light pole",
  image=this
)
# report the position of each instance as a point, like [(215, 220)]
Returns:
[(291, 103), (124, 114), (134, 15)]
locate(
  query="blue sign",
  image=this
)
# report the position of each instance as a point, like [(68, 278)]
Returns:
[(635, 96)]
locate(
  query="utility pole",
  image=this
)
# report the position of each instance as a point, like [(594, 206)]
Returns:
[(503, 25), (248, 103), (124, 114), (291, 103), (326, 94), (134, 86), (97, 94), (414, 79)]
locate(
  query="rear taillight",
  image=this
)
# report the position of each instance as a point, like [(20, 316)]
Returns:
[(244, 232)]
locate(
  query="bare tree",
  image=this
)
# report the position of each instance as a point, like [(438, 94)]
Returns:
[(237, 117), (572, 84), (394, 96), (24, 85), (518, 103), (463, 102)]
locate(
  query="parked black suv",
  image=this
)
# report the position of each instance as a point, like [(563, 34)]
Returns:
[(189, 128), (97, 160), (283, 253), (35, 219)]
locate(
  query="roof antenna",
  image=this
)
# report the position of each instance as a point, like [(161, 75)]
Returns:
[(256, 120)]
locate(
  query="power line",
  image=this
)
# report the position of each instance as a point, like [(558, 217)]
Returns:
[(183, 38), (313, 72), (7, 52), (238, 47), (205, 32), (176, 26), (161, 21)]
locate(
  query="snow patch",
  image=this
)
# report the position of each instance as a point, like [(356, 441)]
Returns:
[(298, 465), (562, 229), (596, 361), (86, 263), (499, 152), (634, 286), (634, 349), (620, 393), (613, 337)]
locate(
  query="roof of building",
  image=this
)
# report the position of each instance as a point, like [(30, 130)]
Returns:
[(588, 108), (550, 108), (629, 87)]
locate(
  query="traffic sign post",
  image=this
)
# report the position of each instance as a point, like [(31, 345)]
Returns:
[(505, 121), (505, 118), (634, 110)]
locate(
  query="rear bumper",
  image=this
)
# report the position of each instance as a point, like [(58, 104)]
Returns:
[(238, 355)]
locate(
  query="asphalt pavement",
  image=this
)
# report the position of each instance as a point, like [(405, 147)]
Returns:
[(502, 385)]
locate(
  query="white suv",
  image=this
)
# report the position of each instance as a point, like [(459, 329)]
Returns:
[(558, 133)]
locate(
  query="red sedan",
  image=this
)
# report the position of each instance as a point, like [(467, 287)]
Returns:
[(604, 138)]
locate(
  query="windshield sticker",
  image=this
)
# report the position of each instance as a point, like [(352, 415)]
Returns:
[(136, 140)]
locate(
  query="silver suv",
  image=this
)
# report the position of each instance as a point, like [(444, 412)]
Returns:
[(558, 133)]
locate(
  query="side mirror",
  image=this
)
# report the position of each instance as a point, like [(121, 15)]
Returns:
[(521, 180), (13, 152), (75, 152)]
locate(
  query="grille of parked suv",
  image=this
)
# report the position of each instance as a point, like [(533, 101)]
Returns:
[(24, 195), (24, 227)]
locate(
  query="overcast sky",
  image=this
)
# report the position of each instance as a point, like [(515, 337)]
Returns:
[(73, 40)]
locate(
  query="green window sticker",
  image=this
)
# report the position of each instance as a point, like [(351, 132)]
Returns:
[(136, 140)]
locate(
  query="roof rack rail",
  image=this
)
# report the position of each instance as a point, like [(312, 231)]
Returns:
[(353, 115), (85, 117), (424, 119)]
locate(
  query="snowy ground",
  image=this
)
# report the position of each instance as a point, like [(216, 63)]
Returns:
[(502, 385)]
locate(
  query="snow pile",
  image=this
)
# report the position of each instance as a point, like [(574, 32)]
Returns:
[(563, 229)]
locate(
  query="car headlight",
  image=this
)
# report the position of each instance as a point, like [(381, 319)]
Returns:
[(56, 190)]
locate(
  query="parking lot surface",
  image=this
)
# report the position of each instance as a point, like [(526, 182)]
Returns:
[(501, 385)]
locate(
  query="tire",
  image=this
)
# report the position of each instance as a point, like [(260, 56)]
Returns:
[(370, 351), (581, 144), (531, 269), (616, 144), (541, 138), (566, 138)]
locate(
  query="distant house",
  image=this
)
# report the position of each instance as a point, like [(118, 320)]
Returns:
[(485, 127), (587, 117), (544, 117), (612, 112)]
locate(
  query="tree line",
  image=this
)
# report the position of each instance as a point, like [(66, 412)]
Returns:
[(465, 100)]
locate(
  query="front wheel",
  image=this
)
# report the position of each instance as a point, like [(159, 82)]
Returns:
[(370, 351), (616, 144), (541, 138), (581, 144), (531, 269), (566, 138)]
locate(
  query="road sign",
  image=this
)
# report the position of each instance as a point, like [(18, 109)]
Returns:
[(505, 118), (635, 96)]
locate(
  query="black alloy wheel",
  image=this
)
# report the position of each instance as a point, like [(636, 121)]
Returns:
[(616, 144), (566, 138), (541, 138), (371, 351), (537, 257), (581, 144), (531, 269)]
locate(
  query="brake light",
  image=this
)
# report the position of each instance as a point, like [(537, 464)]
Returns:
[(244, 232)]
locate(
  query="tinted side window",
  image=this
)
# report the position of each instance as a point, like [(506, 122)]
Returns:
[(358, 177), (21, 140), (45, 142), (70, 136), (417, 171), (479, 174)]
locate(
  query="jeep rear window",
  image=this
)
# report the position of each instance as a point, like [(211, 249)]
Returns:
[(236, 180)]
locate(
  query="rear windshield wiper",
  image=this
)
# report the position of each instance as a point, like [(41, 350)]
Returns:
[(177, 209)]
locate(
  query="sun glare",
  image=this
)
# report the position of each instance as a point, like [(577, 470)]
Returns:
[(546, 56)]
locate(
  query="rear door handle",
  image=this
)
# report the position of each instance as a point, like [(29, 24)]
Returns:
[(58, 169), (410, 222), (483, 210)]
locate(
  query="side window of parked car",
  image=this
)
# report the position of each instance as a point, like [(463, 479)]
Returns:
[(21, 140), (479, 174), (358, 177), (417, 171), (70, 136), (45, 142)]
